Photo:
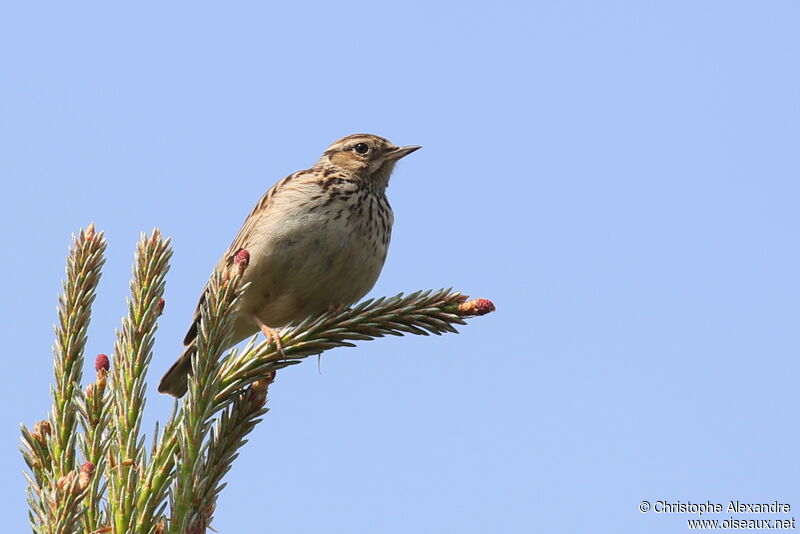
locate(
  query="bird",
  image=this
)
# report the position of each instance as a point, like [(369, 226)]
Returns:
[(317, 241)]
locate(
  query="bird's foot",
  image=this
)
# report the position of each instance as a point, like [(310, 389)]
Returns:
[(272, 335)]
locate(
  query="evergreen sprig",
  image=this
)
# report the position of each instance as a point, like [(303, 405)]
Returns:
[(132, 355), (94, 408), (421, 313), (120, 488), (54, 489), (216, 321)]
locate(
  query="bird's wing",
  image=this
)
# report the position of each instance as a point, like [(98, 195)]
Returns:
[(240, 242)]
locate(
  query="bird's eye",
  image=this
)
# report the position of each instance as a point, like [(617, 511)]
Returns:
[(361, 148)]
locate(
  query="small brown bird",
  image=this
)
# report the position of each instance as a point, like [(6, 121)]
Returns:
[(317, 240)]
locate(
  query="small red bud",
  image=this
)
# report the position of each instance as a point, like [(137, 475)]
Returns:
[(101, 363), (88, 467), (476, 307), (161, 304), (242, 257)]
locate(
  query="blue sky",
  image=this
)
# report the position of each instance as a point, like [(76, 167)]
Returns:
[(621, 178)]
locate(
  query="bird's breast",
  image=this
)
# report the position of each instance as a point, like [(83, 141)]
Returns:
[(321, 253)]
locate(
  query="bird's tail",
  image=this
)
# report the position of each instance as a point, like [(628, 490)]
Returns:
[(175, 381)]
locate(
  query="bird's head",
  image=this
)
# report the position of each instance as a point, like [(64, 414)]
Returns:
[(366, 157)]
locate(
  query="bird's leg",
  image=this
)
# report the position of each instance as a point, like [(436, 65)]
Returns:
[(271, 334)]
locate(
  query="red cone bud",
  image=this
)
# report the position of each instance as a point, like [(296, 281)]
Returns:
[(101, 363), (242, 257), (476, 307), (161, 304)]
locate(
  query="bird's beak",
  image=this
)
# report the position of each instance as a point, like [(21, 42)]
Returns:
[(399, 152)]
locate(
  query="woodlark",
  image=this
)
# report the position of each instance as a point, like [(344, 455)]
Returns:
[(317, 240)]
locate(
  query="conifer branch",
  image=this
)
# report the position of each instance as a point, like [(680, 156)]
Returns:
[(213, 332), (422, 313), (94, 408), (120, 488), (133, 352), (74, 314), (228, 435), (50, 449)]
